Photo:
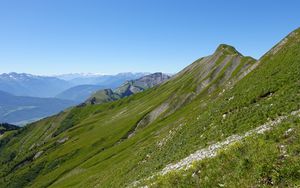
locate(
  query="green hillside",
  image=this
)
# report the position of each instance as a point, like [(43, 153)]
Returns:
[(224, 121)]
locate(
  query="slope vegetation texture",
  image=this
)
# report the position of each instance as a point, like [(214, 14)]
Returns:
[(226, 120)]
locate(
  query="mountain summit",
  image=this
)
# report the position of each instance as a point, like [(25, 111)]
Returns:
[(227, 49)]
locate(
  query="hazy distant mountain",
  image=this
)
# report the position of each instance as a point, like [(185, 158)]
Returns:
[(22, 84), (79, 93), (20, 110), (19, 92), (87, 83), (72, 76), (108, 81)]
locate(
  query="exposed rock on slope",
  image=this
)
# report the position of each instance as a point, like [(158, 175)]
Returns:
[(128, 88), (213, 150), (102, 96), (216, 72)]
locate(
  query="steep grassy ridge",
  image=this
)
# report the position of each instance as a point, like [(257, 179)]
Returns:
[(118, 143)]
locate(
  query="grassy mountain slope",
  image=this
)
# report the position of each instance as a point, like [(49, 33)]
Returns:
[(118, 143)]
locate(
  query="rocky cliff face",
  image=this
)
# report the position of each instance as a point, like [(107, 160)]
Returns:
[(128, 88)]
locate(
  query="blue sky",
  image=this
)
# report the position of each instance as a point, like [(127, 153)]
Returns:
[(111, 36)]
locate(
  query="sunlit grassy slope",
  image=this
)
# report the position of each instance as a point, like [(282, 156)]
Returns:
[(118, 143)]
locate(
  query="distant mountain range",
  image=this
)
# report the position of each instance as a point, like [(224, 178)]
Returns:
[(87, 84), (22, 84), (25, 98), (108, 81), (72, 76)]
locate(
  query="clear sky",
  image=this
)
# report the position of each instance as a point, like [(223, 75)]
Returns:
[(111, 36)]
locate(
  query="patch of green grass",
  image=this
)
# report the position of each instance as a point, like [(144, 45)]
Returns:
[(268, 160)]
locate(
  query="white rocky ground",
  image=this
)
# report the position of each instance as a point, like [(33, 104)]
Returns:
[(213, 149)]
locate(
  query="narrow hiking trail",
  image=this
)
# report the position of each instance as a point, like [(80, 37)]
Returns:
[(213, 149)]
